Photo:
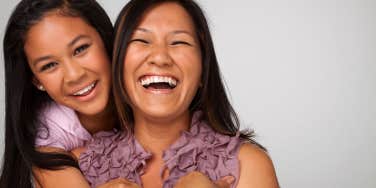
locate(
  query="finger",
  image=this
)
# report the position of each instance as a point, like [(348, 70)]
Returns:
[(225, 182)]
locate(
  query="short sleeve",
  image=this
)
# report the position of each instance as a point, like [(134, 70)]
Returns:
[(59, 127)]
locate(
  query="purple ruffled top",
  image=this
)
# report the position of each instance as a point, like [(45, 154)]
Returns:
[(111, 155)]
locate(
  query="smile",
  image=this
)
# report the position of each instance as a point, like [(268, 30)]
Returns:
[(158, 82), (85, 90)]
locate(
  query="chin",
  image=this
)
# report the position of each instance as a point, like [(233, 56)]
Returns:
[(162, 113), (91, 110)]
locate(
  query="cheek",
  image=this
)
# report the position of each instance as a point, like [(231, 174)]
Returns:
[(128, 73), (52, 85), (99, 59), (190, 64), (134, 58)]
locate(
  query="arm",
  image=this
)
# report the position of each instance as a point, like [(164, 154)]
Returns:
[(256, 168), (70, 176), (66, 177)]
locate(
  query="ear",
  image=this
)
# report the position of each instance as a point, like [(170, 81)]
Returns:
[(37, 84)]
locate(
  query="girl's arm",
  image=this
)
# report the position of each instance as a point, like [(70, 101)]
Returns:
[(70, 176), (256, 168), (66, 177)]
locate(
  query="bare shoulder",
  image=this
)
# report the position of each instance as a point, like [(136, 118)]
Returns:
[(256, 168)]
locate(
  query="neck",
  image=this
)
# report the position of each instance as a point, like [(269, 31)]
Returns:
[(103, 121), (157, 136)]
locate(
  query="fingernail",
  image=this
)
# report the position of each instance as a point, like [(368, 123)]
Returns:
[(230, 179)]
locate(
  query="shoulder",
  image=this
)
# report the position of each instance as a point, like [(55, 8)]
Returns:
[(256, 168), (59, 127), (56, 112), (252, 154)]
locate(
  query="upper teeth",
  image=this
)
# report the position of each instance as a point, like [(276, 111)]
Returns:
[(85, 90), (146, 81)]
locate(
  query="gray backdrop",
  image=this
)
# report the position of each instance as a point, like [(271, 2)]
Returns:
[(302, 73)]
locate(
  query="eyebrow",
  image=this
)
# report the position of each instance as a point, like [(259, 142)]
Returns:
[(143, 30), (79, 37), (35, 62), (70, 44), (173, 32), (182, 32)]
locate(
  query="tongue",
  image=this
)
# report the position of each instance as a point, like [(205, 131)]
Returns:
[(159, 86)]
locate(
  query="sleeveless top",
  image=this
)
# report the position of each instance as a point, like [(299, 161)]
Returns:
[(60, 127), (111, 155)]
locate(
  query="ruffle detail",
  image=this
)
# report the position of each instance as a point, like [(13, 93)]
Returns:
[(202, 149), (111, 155)]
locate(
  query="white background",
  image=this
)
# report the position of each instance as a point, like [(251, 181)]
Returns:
[(302, 73)]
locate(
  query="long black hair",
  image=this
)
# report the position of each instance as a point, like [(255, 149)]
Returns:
[(211, 98), (22, 100)]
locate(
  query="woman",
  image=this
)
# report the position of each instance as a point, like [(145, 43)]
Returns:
[(170, 97), (57, 73)]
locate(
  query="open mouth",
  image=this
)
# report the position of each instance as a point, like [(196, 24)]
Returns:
[(158, 82), (86, 90)]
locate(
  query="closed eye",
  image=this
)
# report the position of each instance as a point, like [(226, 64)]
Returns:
[(181, 42), (139, 40), (48, 66), (80, 49)]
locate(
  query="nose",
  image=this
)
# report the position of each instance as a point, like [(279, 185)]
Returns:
[(73, 72), (160, 56)]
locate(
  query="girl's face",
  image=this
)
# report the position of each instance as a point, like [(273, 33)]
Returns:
[(162, 66), (68, 58)]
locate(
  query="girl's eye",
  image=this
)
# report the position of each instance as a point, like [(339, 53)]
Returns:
[(180, 42), (139, 40), (48, 66), (80, 49)]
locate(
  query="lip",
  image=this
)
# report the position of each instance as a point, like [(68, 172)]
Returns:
[(158, 91), (88, 96)]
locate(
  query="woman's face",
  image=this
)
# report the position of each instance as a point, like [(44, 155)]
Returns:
[(162, 66), (68, 58)]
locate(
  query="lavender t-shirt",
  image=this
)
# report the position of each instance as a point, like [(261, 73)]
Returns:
[(60, 128)]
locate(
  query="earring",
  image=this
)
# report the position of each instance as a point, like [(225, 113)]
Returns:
[(40, 87)]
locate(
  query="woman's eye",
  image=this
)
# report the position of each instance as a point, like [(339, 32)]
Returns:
[(80, 49), (48, 66), (139, 40), (180, 42)]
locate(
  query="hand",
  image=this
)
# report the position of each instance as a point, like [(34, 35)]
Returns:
[(119, 183), (199, 180)]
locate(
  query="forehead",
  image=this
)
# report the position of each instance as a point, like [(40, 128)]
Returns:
[(168, 14), (55, 28)]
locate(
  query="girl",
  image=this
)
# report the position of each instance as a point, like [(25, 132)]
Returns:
[(57, 73)]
